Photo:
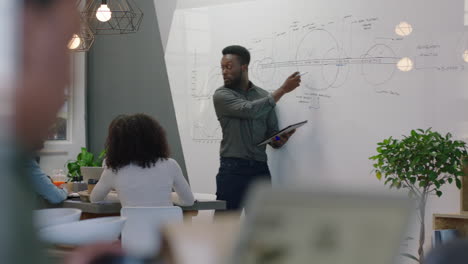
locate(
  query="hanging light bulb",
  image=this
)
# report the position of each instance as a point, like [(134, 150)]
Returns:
[(112, 18), (103, 13), (403, 29), (465, 55), (405, 64), (74, 42)]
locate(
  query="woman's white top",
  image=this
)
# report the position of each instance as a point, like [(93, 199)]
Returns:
[(137, 186)]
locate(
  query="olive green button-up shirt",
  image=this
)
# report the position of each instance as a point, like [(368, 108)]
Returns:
[(246, 118)]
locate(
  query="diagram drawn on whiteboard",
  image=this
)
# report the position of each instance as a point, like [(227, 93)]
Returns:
[(205, 127), (332, 56), (204, 81)]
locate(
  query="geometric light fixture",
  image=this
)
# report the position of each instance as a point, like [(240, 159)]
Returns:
[(82, 40), (112, 17)]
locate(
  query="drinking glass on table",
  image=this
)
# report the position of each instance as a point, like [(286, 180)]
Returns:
[(59, 177)]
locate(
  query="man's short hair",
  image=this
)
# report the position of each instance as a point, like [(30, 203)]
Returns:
[(241, 52)]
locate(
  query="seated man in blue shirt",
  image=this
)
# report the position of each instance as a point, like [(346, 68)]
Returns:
[(42, 183)]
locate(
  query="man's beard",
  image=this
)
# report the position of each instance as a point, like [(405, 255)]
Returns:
[(235, 83)]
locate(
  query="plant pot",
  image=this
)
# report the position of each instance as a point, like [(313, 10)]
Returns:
[(74, 187), (91, 173)]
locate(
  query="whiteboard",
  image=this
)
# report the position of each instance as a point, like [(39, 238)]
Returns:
[(354, 94)]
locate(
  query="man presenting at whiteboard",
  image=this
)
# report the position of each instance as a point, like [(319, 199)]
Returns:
[(247, 116)]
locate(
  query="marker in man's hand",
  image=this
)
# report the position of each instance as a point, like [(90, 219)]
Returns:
[(277, 138), (302, 73)]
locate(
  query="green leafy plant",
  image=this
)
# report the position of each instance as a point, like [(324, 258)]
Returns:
[(422, 163), (84, 159)]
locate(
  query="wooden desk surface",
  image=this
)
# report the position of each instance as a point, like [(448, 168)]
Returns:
[(114, 208)]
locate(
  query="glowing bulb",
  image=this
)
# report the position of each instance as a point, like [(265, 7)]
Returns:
[(405, 64), (103, 13), (465, 56), (74, 42), (403, 29)]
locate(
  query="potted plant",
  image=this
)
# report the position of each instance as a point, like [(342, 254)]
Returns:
[(85, 167), (422, 163)]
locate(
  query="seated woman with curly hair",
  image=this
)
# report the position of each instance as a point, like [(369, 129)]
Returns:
[(138, 166)]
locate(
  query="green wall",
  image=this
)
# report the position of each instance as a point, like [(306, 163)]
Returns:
[(127, 74)]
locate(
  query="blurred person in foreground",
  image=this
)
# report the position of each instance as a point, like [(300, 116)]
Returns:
[(44, 70)]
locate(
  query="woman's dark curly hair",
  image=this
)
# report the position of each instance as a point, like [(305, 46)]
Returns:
[(135, 139)]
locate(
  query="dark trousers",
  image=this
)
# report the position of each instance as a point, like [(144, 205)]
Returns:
[(235, 177)]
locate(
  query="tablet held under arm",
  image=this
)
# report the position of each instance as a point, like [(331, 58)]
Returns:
[(282, 131)]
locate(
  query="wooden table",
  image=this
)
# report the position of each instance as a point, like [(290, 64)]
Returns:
[(92, 210), (451, 221), (455, 221)]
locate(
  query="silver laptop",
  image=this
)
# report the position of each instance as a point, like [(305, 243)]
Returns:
[(297, 226)]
